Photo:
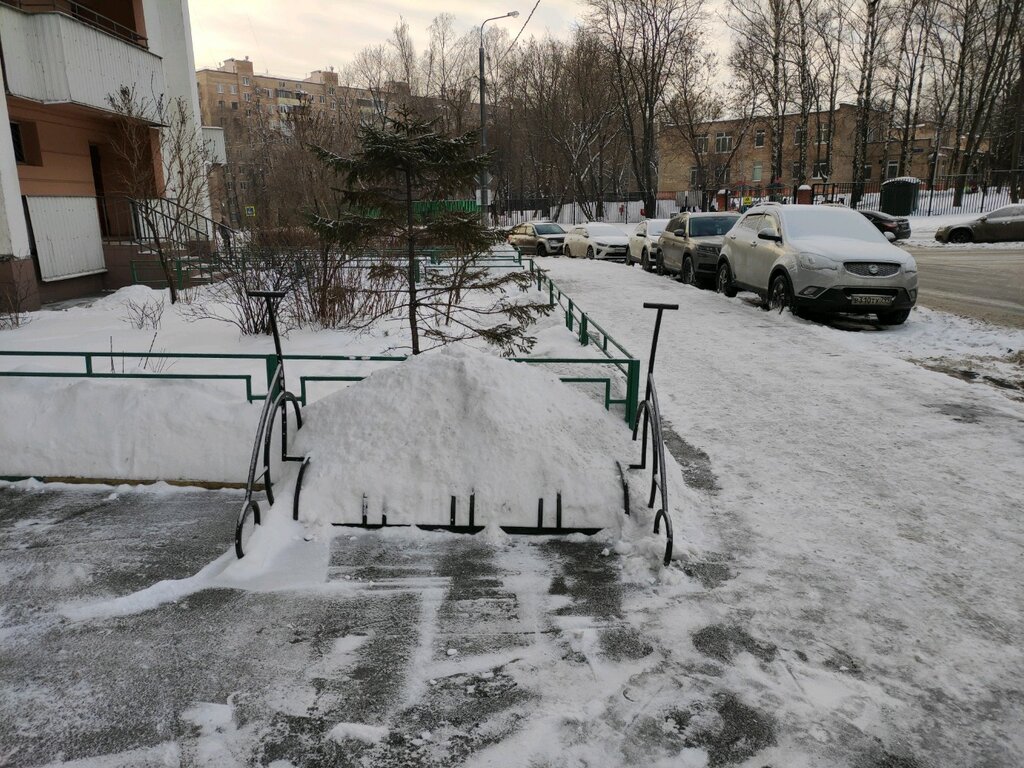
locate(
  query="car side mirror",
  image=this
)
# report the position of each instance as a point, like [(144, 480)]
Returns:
[(890, 237), (769, 234), (680, 233)]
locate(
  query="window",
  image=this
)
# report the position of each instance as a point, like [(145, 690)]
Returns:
[(892, 169), (821, 169), (19, 147), (282, 84), (798, 170), (758, 170), (694, 177), (247, 96), (220, 87), (234, 90), (823, 134), (759, 137), (245, 80), (753, 222), (867, 172), (220, 104), (234, 105), (322, 99), (722, 174), (723, 143), (331, 90), (801, 136), (702, 144), (282, 94), (334, 103)]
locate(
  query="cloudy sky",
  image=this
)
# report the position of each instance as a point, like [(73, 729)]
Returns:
[(294, 37)]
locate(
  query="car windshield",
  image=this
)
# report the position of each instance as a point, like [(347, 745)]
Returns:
[(819, 220), (548, 229), (606, 230), (656, 226), (709, 226)]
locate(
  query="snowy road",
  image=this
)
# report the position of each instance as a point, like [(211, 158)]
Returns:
[(869, 510)]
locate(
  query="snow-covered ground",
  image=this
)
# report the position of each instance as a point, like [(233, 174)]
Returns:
[(846, 589)]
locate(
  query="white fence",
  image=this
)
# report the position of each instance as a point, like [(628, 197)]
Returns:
[(66, 231)]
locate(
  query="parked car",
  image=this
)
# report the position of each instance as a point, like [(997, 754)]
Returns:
[(884, 222), (1001, 225), (691, 242), (643, 243), (815, 258), (544, 238), (597, 241)]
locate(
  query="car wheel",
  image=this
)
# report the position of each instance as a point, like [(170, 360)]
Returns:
[(590, 253), (960, 236), (724, 282), (541, 250), (897, 317), (686, 274), (645, 260), (659, 265), (780, 294)]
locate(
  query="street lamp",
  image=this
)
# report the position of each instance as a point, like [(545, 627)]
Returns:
[(484, 180)]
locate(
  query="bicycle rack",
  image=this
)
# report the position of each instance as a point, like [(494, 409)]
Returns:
[(278, 398), (651, 413)]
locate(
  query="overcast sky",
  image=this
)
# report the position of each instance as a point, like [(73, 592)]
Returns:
[(294, 37)]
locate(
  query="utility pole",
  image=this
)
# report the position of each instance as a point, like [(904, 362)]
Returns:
[(484, 176)]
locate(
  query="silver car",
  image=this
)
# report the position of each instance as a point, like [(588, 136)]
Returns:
[(1000, 226), (818, 259), (597, 240), (643, 243)]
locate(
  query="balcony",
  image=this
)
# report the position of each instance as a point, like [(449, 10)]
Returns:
[(54, 57)]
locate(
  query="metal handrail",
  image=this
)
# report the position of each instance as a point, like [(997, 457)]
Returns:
[(651, 413), (87, 16)]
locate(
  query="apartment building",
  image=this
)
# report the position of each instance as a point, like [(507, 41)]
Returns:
[(63, 229), (737, 154)]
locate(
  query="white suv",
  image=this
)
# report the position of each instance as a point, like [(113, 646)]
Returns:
[(818, 258)]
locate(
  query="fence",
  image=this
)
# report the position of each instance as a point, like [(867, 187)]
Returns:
[(979, 193), (613, 360), (621, 209)]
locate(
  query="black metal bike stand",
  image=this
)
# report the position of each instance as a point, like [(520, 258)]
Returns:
[(273, 298), (650, 369)]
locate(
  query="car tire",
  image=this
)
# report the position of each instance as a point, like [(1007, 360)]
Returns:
[(590, 252), (686, 272), (780, 293), (723, 282), (960, 236), (645, 260), (896, 317), (541, 251), (659, 265)]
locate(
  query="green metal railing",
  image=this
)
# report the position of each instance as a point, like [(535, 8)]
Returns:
[(586, 330)]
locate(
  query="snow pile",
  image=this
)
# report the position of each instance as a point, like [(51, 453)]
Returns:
[(458, 422)]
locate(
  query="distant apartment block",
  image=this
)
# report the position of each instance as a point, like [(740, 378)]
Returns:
[(59, 174), (737, 154)]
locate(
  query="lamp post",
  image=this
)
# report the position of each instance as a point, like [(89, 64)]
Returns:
[(484, 180)]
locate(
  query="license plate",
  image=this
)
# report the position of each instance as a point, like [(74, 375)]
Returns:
[(862, 299)]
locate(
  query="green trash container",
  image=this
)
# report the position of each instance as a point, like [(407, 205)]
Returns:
[(899, 196)]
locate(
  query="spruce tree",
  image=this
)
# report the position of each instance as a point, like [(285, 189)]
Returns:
[(393, 194)]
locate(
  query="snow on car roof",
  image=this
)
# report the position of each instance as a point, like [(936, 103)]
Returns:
[(827, 221)]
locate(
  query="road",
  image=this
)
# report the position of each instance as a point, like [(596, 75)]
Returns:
[(986, 284)]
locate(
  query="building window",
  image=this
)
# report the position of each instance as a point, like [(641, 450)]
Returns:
[(867, 172), (322, 99), (723, 175), (694, 175), (234, 105), (220, 104), (801, 136), (334, 103), (220, 87), (821, 169), (823, 134), (19, 146), (234, 90), (331, 90), (892, 169), (723, 143), (797, 170), (759, 137), (758, 170), (245, 81), (702, 144)]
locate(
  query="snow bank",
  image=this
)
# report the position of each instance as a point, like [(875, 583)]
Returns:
[(369, 734), (457, 422)]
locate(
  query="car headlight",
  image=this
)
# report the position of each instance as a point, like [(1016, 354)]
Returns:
[(910, 267), (599, 244), (816, 261)]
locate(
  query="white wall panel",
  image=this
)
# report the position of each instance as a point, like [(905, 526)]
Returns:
[(52, 58), (67, 236)]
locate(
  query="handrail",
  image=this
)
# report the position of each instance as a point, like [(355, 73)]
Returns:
[(651, 413)]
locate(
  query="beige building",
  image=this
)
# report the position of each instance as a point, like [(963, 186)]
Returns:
[(66, 228), (737, 155)]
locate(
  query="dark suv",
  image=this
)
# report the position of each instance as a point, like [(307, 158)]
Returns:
[(543, 238), (690, 244)]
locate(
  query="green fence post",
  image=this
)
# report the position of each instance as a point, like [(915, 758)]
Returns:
[(135, 276), (177, 270), (271, 361), (584, 335), (632, 391), (568, 315), (551, 293), (539, 278), (88, 364)]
